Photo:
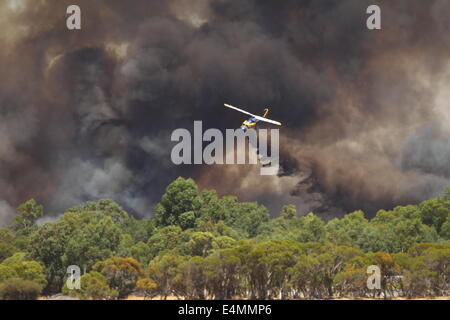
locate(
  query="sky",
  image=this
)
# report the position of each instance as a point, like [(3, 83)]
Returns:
[(87, 114)]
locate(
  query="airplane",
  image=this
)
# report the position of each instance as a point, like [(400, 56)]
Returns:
[(251, 122)]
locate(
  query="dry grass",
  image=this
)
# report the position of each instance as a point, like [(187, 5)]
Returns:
[(134, 297)]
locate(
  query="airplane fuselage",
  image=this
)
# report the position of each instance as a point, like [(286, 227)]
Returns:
[(248, 124)]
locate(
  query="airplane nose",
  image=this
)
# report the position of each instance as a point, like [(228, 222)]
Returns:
[(244, 128)]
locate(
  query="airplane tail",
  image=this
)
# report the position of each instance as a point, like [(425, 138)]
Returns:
[(266, 112)]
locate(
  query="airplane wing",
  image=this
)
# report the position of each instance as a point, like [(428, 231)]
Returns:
[(240, 110), (251, 114), (268, 120)]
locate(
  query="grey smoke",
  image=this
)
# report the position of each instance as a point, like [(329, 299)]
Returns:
[(87, 115), (427, 153)]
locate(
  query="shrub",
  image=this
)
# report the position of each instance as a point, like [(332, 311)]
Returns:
[(19, 289)]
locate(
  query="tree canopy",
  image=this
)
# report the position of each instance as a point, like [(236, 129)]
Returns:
[(201, 245)]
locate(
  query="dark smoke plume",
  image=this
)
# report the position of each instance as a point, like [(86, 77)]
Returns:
[(88, 114)]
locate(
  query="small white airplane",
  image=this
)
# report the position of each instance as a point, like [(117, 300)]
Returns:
[(251, 123)]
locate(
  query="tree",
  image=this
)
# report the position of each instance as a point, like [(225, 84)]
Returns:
[(416, 278), (142, 252), (147, 287), (193, 273), (83, 235), (19, 289), (249, 217), (223, 242), (47, 245), (438, 263), (200, 244), (7, 247), (434, 212), (27, 214), (121, 273), (313, 229), (351, 282), (266, 265), (445, 229), (395, 231), (164, 270), (164, 239), (348, 230), (26, 269), (97, 240), (390, 270), (217, 229), (179, 205), (100, 209), (304, 276), (214, 208), (331, 262), (377, 237), (95, 286), (222, 270), (139, 229), (7, 272), (289, 211), (125, 244), (281, 229), (419, 249)]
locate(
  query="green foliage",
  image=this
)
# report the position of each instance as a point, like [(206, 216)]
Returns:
[(347, 230), (98, 240), (121, 273), (27, 214), (445, 229), (179, 205), (199, 245), (142, 252), (7, 272), (164, 271), (280, 229), (313, 229), (351, 282), (249, 217), (434, 212), (140, 230), (192, 274), (217, 229), (125, 244), (222, 269), (147, 287), (48, 245), (223, 242), (105, 207), (266, 264), (7, 247), (94, 285), (26, 269), (19, 289), (289, 211), (215, 209), (164, 239)]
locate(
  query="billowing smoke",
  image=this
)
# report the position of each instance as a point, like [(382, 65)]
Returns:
[(88, 114)]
